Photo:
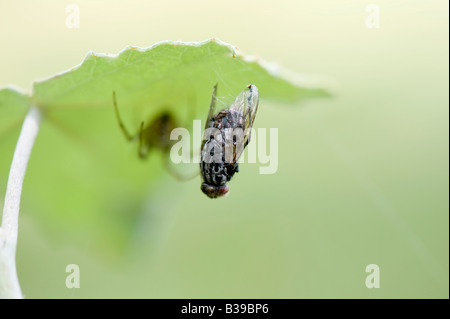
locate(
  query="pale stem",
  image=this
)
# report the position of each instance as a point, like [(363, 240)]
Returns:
[(9, 283)]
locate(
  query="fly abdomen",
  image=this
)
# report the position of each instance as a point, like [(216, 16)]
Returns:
[(217, 173)]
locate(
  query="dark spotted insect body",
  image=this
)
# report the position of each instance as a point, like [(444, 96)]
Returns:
[(218, 174), (240, 115)]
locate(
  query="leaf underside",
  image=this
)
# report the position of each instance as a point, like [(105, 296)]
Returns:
[(84, 178)]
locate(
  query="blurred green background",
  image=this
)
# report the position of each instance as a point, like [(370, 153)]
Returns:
[(362, 178)]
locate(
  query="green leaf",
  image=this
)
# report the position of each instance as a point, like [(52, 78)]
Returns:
[(173, 75), (85, 179), (13, 108)]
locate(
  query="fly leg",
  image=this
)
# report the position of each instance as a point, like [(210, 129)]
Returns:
[(212, 106)]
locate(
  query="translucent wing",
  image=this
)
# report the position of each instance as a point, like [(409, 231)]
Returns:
[(212, 107), (246, 104)]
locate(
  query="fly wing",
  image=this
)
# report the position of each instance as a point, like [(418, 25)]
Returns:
[(212, 107), (246, 104)]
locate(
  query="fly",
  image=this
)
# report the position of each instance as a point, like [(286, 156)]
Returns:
[(226, 135)]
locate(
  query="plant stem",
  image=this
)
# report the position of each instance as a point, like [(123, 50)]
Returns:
[(9, 283)]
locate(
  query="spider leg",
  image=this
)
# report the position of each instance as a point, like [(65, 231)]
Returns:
[(174, 172), (191, 116), (119, 120), (143, 149)]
